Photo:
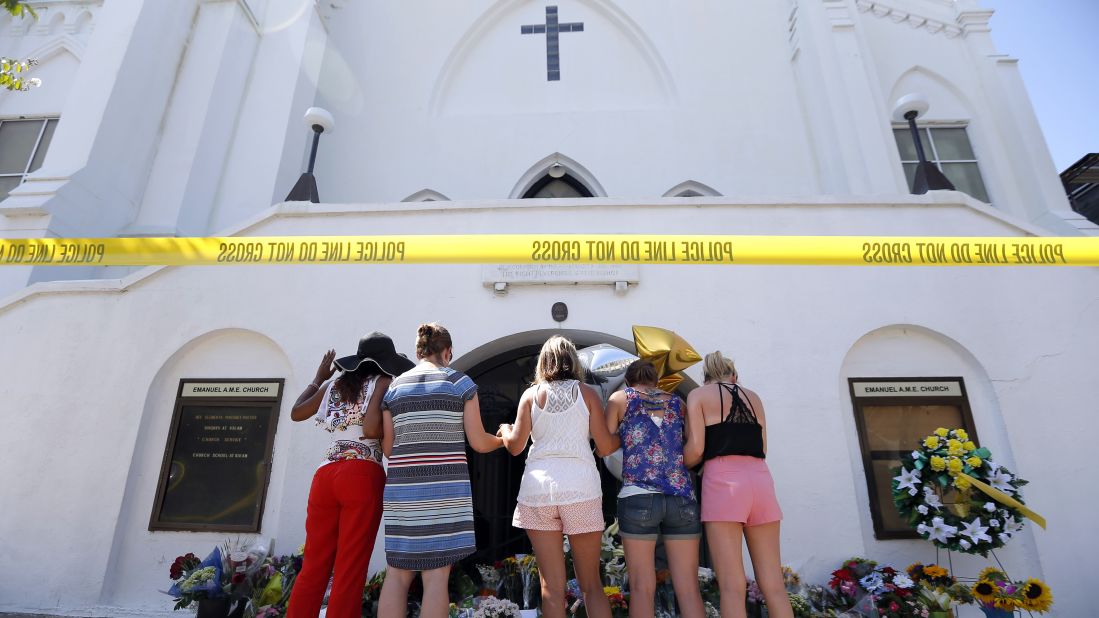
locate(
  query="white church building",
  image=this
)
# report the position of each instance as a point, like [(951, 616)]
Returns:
[(760, 117)]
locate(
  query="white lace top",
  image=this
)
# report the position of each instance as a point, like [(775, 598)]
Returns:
[(344, 421), (560, 465)]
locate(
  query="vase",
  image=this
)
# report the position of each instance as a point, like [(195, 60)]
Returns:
[(219, 608), (993, 612)]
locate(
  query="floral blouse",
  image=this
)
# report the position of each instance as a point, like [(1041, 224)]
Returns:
[(652, 454), (336, 416)]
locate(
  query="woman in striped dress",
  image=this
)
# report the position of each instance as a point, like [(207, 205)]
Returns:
[(428, 414)]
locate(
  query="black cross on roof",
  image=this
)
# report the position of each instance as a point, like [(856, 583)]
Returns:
[(552, 28)]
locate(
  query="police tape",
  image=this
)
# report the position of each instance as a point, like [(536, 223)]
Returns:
[(554, 249)]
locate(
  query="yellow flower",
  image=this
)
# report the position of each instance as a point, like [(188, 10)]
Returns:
[(992, 574), (941, 432), (931, 442), (974, 461), (986, 591), (961, 434), (938, 464), (934, 570), (969, 445), (609, 590), (961, 482), (1037, 596), (954, 465), (1005, 603), (954, 447)]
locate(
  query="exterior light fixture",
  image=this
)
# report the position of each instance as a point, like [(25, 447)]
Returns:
[(319, 120), (928, 176)]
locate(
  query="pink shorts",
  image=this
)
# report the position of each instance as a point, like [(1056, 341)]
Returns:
[(575, 518), (738, 488)]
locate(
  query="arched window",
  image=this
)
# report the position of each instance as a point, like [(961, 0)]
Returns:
[(549, 187), (691, 188)]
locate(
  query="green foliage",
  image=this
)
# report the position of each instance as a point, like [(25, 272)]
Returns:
[(18, 8), (13, 74)]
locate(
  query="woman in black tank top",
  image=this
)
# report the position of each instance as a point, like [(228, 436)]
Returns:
[(727, 430)]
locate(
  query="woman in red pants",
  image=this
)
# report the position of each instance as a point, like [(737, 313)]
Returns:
[(345, 500)]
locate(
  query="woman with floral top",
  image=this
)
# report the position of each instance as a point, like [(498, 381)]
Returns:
[(345, 500), (657, 497)]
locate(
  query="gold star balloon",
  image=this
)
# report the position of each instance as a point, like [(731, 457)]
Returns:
[(667, 351)]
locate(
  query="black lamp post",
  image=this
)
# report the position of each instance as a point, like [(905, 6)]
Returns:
[(305, 190), (928, 176)]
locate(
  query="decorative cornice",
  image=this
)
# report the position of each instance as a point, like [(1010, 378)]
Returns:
[(934, 26)]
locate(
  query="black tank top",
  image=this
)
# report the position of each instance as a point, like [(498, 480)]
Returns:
[(738, 433)]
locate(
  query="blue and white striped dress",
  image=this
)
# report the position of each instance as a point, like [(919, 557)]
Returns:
[(428, 505)]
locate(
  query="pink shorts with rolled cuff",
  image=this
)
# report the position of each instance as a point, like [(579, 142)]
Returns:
[(737, 488), (575, 518)]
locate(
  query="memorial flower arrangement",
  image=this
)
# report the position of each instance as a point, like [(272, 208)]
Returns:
[(491, 607), (995, 590), (232, 575), (955, 496), (864, 587)]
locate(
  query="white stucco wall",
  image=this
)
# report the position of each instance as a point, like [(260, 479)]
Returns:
[(89, 371)]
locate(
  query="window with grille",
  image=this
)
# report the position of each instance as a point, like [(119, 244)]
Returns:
[(23, 145), (949, 149)]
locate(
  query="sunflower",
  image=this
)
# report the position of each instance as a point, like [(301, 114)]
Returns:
[(1008, 604), (1037, 596), (992, 574), (986, 591)]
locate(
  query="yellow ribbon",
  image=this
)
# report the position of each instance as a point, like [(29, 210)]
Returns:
[(1005, 499)]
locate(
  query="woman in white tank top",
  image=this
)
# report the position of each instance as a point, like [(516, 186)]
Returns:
[(560, 493)]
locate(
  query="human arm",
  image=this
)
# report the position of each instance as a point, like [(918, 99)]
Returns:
[(309, 401), (387, 433), (515, 436), (605, 441), (372, 420), (616, 410), (696, 430), (481, 441)]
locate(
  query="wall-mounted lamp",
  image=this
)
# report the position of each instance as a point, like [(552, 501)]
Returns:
[(319, 120), (556, 170), (928, 176)]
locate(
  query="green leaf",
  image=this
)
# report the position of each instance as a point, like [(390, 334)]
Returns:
[(983, 453)]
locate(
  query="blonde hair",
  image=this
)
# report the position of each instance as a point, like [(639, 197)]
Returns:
[(557, 361), (431, 339), (716, 367)]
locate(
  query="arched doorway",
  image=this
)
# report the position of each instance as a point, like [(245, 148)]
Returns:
[(503, 369)]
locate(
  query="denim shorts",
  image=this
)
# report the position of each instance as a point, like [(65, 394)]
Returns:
[(646, 517)]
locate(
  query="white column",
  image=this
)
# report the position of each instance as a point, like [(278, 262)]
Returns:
[(843, 105), (199, 123)]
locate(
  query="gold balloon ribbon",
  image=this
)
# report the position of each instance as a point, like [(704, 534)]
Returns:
[(1005, 499), (667, 351)]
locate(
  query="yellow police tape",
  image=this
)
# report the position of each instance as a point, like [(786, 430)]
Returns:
[(554, 249)]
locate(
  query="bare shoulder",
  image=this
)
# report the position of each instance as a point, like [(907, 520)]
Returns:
[(702, 392), (616, 396), (751, 395), (589, 393)]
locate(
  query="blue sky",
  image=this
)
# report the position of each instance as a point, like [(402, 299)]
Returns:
[(1057, 44)]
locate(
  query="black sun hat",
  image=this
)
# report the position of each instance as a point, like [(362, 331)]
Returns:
[(377, 348)]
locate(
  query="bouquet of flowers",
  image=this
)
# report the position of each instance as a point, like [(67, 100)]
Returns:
[(874, 591), (994, 589), (491, 607), (620, 607), (193, 579), (511, 581), (490, 579), (528, 572)]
